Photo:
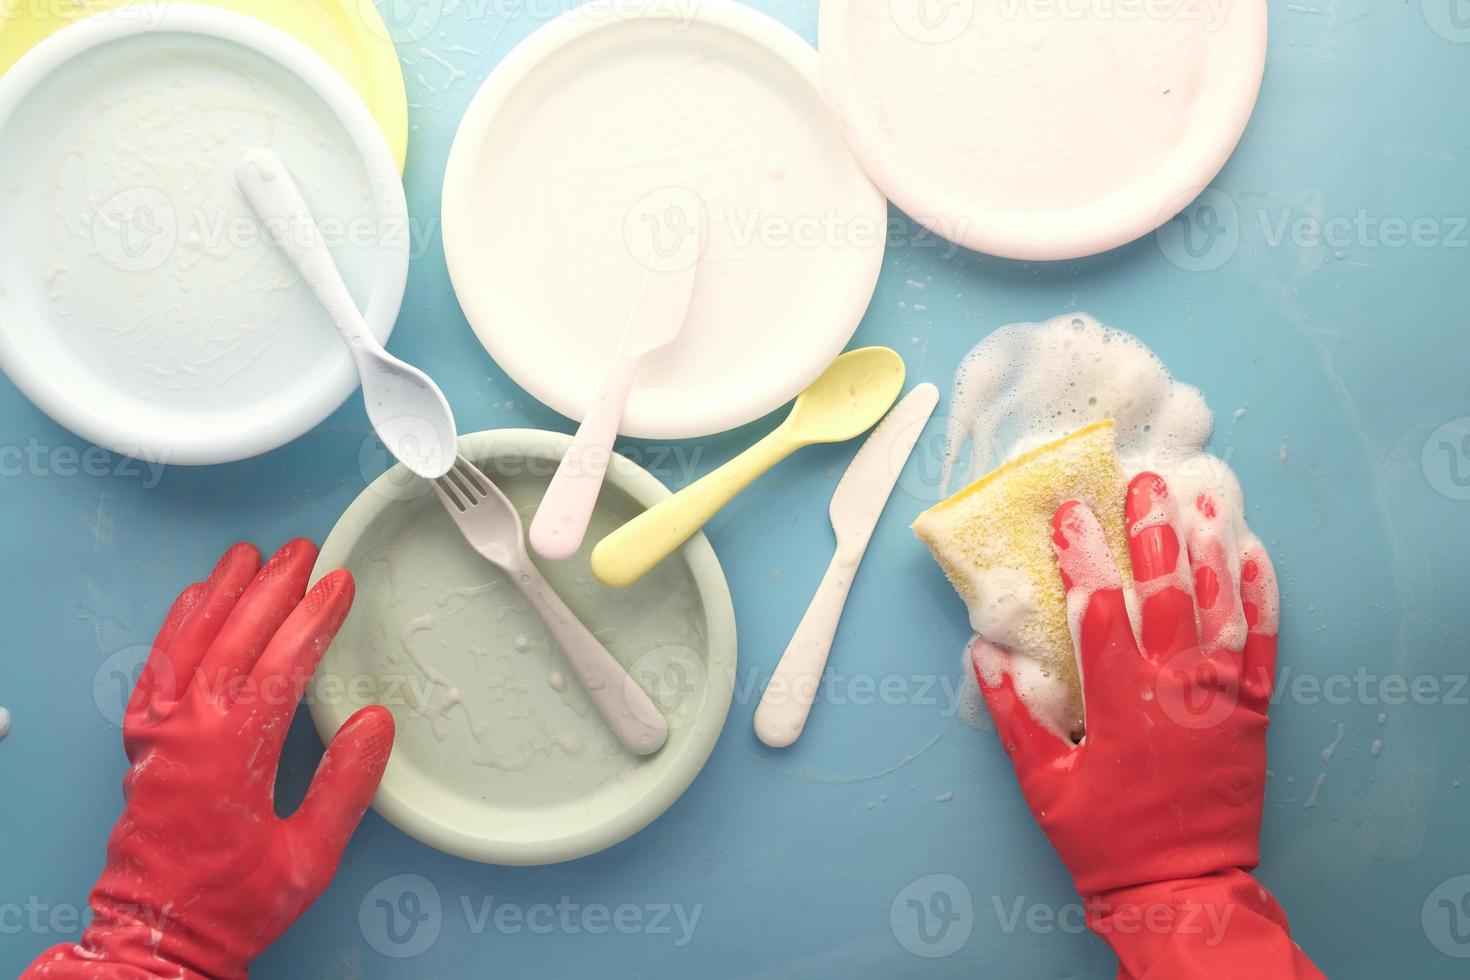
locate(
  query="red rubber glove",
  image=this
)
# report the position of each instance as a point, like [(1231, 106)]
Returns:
[(1157, 812), (201, 874)]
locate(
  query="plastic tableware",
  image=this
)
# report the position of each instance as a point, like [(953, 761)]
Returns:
[(657, 320), (492, 526), (846, 401), (579, 144), (1042, 131), (506, 761), (141, 305), (349, 34), (409, 412), (856, 509)]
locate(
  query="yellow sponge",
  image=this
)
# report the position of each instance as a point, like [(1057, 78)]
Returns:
[(993, 540)]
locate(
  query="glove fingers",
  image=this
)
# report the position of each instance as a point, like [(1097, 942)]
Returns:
[(157, 677), (1214, 562), (1028, 742), (259, 613), (283, 670), (1160, 570), (1261, 605), (1097, 614), (345, 782), (193, 635)]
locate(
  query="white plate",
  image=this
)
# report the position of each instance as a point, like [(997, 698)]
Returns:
[(142, 306), (566, 163), (1042, 129)]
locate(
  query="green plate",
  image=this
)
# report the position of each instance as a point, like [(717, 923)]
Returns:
[(500, 757)]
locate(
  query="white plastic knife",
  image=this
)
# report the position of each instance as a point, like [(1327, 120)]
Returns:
[(856, 508), (658, 318)]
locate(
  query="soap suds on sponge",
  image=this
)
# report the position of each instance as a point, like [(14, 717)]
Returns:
[(1067, 409), (994, 541)]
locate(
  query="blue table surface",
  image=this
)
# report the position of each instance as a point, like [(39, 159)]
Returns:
[(1321, 289)]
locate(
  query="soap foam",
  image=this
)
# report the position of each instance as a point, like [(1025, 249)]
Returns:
[(1032, 383), (1029, 384)]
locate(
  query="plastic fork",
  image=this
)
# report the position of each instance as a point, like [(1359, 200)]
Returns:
[(492, 526)]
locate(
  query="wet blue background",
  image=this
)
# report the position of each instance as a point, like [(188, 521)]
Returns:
[(1347, 356)]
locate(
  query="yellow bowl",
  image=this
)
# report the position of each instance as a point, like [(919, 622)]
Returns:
[(349, 34)]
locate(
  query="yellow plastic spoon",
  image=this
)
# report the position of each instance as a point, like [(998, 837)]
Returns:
[(846, 401)]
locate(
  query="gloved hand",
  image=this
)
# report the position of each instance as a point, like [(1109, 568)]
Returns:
[(201, 874), (1157, 812)]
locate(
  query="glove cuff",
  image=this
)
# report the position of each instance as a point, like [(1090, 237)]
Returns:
[(106, 957), (1220, 926), (121, 946)]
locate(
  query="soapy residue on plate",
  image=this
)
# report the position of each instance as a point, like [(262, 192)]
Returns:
[(4, 723), (1032, 383), (439, 700), (130, 251), (578, 192), (1109, 111), (484, 701)]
